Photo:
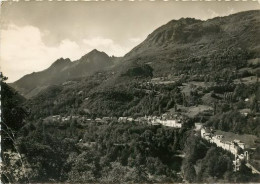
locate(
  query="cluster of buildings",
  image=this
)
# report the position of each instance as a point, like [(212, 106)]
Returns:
[(174, 121), (65, 118), (236, 147), (164, 120)]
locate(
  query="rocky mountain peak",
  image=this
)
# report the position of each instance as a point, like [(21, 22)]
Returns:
[(61, 62)]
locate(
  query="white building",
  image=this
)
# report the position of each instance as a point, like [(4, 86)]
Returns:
[(171, 123), (198, 126), (122, 119), (130, 119), (205, 133), (232, 147)]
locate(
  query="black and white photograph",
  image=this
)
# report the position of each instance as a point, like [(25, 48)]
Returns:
[(130, 91)]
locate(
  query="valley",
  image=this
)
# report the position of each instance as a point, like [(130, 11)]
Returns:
[(136, 118)]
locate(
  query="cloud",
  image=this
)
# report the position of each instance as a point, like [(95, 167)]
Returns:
[(213, 14), (23, 50), (135, 40), (106, 45)]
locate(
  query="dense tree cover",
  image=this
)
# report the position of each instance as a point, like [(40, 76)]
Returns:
[(115, 152), (13, 113), (129, 99), (224, 59), (235, 122), (139, 71), (13, 118), (88, 152), (228, 116)]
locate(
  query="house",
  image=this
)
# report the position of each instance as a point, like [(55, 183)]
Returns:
[(122, 119), (226, 145), (217, 139), (233, 148), (167, 122), (241, 145), (65, 118), (245, 112), (98, 119), (171, 123), (156, 124), (164, 116), (207, 136), (67, 83), (205, 131), (80, 92), (178, 124), (156, 121), (114, 119), (198, 126), (106, 119), (75, 117), (130, 119), (56, 117), (141, 120)]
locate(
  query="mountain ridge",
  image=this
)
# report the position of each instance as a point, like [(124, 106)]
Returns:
[(190, 29), (182, 41), (60, 71)]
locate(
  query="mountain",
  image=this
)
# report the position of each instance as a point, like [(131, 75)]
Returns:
[(175, 60), (62, 70), (193, 48), (238, 29), (170, 50), (179, 40)]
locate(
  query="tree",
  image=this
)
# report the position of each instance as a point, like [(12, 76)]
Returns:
[(13, 116)]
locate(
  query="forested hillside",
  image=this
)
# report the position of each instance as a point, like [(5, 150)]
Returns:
[(205, 72), (219, 75)]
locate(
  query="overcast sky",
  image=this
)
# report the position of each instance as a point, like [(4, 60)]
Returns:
[(35, 34)]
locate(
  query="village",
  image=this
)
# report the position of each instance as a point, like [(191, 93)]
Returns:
[(169, 120), (239, 149)]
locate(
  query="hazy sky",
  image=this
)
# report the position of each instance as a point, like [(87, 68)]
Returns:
[(35, 34)]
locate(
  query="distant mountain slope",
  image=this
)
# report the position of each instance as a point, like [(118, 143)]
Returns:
[(180, 40), (182, 51), (239, 30), (178, 47), (193, 47), (61, 71)]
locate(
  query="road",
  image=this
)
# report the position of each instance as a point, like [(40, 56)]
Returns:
[(254, 170)]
